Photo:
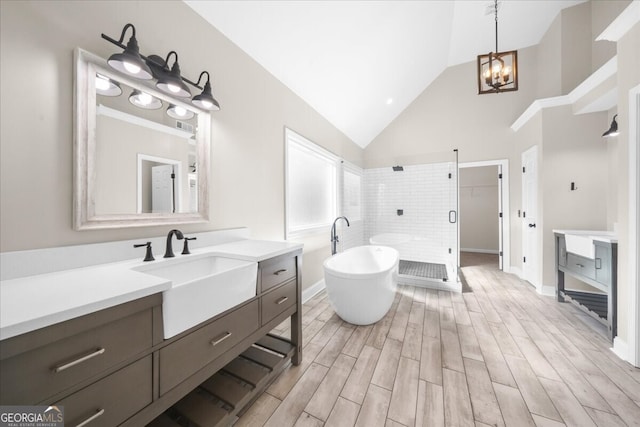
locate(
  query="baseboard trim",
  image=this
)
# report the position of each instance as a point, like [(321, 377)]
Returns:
[(312, 290), (480, 251), (547, 290), (516, 271), (620, 348)]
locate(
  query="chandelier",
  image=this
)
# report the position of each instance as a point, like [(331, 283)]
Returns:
[(497, 71)]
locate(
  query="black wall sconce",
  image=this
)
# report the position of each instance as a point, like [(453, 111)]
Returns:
[(131, 62), (613, 129)]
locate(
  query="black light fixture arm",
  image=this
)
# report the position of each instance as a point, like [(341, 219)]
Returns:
[(119, 42), (147, 59), (202, 74)]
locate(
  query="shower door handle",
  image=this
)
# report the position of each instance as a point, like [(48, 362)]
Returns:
[(454, 215)]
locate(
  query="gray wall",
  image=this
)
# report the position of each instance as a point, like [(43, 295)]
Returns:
[(37, 39)]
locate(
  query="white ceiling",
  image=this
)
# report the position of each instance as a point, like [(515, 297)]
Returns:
[(349, 59)]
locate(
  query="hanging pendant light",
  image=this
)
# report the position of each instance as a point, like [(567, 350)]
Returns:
[(497, 71), (205, 100), (613, 129), (129, 61), (171, 82)]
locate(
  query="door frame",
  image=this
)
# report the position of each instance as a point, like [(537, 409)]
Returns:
[(178, 171), (503, 188), (633, 351)]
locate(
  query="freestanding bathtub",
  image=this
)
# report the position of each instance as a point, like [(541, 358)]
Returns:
[(361, 282)]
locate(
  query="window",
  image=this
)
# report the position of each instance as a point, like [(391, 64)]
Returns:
[(311, 185), (318, 185)]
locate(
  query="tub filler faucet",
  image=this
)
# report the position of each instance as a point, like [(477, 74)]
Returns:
[(334, 237)]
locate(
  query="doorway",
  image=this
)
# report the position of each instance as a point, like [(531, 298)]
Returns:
[(159, 185), (484, 205)]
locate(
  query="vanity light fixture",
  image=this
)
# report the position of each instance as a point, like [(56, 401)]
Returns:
[(613, 129), (179, 113), (144, 100), (171, 82), (107, 87), (205, 100), (129, 61), (497, 71)]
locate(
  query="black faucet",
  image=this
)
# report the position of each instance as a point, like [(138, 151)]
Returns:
[(149, 255), (334, 238), (168, 253), (185, 248)]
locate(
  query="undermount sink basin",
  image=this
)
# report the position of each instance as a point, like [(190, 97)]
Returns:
[(202, 286)]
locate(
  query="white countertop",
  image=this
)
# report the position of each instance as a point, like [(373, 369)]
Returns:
[(599, 235), (34, 302), (254, 250)]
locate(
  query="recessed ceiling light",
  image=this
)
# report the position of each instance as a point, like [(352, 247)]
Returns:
[(389, 101)]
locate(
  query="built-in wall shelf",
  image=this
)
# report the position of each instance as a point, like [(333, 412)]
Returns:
[(598, 92)]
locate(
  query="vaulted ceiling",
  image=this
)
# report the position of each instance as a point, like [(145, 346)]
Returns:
[(361, 63)]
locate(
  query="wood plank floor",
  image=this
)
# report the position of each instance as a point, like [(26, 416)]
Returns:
[(501, 355)]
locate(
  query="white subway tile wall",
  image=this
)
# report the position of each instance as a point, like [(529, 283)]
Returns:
[(425, 194)]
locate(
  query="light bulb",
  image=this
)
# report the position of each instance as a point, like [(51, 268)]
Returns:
[(496, 68), (145, 99), (207, 104), (173, 88), (102, 83), (180, 111), (132, 68)]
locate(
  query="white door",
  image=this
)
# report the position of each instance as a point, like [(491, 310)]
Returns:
[(530, 259), (162, 189)]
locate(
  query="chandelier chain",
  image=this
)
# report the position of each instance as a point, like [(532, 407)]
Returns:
[(496, 9)]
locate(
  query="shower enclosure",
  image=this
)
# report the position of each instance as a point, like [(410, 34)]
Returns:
[(414, 208)]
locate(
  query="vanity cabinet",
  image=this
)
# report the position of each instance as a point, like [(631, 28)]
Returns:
[(113, 367), (599, 272), (99, 366)]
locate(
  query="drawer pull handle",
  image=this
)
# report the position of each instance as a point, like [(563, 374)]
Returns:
[(598, 263), (281, 300), (220, 338), (580, 265), (279, 272), (61, 368), (91, 418)]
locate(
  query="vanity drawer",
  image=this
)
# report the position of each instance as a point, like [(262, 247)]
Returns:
[(277, 301), (276, 271), (584, 266), (112, 400), (189, 354), (35, 375)]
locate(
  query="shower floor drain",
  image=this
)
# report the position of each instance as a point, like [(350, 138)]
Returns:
[(423, 269)]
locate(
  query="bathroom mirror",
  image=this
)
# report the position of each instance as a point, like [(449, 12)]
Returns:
[(141, 158)]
